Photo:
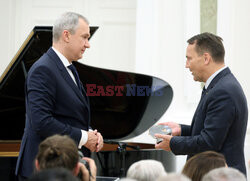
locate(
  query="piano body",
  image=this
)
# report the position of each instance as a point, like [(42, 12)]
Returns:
[(142, 101)]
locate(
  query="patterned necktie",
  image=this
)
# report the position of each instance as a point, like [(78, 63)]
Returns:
[(74, 71)]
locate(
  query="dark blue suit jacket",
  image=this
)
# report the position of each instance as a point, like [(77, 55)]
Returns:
[(54, 105), (219, 123)]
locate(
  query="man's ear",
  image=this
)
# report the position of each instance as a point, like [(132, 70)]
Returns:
[(37, 165), (66, 35), (76, 169), (207, 58)]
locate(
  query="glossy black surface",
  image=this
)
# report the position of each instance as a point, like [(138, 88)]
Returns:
[(123, 115), (127, 113)]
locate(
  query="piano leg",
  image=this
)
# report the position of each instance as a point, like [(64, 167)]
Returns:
[(110, 163)]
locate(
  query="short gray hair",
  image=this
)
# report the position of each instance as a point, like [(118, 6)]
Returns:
[(225, 174), (174, 176), (67, 21), (146, 170)]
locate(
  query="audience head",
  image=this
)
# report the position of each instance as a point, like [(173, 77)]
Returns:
[(224, 174), (127, 179), (58, 151), (53, 174), (200, 164), (146, 170), (173, 177)]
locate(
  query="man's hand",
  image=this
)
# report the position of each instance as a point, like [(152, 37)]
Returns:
[(165, 144), (176, 128), (92, 168), (99, 142), (85, 173), (92, 140)]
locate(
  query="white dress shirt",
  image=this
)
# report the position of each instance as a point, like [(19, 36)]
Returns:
[(209, 80)]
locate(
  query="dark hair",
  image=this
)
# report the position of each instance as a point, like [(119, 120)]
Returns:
[(208, 42), (57, 151), (53, 174), (197, 166)]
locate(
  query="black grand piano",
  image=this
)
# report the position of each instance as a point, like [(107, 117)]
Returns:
[(141, 102)]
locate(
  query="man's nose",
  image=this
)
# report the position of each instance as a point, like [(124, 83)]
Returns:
[(87, 45), (187, 64)]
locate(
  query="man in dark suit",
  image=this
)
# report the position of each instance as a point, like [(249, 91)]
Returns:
[(220, 120), (56, 102)]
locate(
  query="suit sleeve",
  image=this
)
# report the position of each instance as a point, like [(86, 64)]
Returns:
[(41, 92), (220, 113), (185, 130)]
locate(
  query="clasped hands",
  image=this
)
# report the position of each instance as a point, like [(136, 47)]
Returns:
[(95, 141), (165, 143)]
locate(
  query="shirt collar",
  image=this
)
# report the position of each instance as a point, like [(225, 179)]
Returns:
[(62, 58), (209, 80)]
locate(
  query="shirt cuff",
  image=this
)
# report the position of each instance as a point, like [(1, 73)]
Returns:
[(84, 139)]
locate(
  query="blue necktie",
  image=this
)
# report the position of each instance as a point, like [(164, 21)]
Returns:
[(74, 71)]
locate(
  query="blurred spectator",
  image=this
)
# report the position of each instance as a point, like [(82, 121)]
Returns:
[(61, 151), (197, 166), (173, 177), (146, 170), (53, 174), (224, 174), (127, 179)]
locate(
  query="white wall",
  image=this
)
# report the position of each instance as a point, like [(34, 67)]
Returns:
[(234, 27), (163, 28), (113, 44), (161, 50), (7, 20)]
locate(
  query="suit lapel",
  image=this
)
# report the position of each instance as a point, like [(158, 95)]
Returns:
[(218, 77), (211, 85), (65, 74)]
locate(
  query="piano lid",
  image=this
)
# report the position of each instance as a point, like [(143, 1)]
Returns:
[(123, 104)]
